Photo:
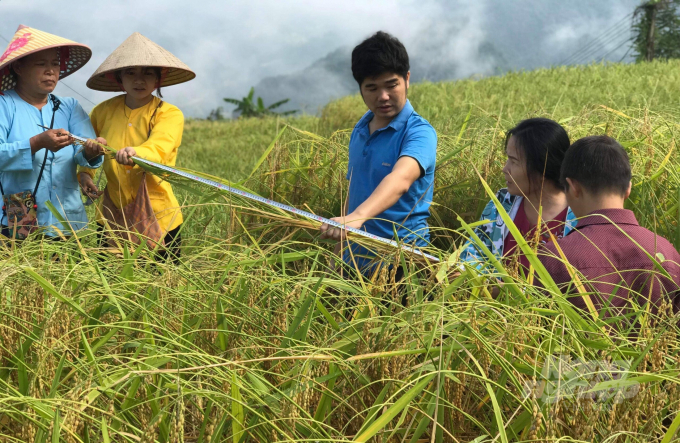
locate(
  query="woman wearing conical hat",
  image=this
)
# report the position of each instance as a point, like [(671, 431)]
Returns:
[(37, 165), (139, 124)]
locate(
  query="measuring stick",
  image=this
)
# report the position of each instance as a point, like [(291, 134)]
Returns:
[(273, 203)]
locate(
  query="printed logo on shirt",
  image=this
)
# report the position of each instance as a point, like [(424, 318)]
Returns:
[(546, 236), (386, 164)]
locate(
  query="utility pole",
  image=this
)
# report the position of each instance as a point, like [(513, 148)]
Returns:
[(651, 8)]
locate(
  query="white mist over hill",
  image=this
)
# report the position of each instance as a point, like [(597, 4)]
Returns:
[(299, 49), (462, 38)]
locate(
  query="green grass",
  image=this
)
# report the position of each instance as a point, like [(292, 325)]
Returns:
[(586, 100), (229, 149), (255, 338)]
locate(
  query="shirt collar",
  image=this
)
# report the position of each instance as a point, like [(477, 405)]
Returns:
[(397, 122), (17, 98), (400, 119), (608, 216), (12, 93)]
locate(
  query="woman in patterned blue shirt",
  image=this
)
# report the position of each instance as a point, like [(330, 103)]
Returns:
[(535, 149)]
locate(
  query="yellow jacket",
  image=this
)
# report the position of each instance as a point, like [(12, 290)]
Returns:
[(123, 127)]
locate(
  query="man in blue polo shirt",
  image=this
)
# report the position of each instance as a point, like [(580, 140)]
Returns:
[(392, 153)]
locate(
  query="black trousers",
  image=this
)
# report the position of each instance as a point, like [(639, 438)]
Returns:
[(172, 240)]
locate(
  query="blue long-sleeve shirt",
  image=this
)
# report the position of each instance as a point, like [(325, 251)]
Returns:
[(19, 168)]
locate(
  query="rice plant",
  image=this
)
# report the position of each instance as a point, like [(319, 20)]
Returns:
[(255, 337)]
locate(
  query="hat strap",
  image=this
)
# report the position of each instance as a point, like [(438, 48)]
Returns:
[(164, 74), (64, 56), (112, 78)]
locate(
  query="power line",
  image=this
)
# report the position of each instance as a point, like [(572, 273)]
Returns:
[(618, 47), (615, 28), (60, 81), (630, 39), (628, 51), (604, 45), (596, 45), (595, 41)]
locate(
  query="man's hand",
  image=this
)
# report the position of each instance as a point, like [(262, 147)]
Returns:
[(453, 274), (89, 188), (52, 140), (124, 156), (352, 220), (93, 150)]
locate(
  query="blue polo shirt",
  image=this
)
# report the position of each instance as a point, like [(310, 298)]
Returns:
[(371, 159)]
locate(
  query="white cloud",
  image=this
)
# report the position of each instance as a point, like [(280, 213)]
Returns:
[(232, 45), (591, 34)]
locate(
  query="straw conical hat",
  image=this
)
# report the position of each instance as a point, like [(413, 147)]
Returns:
[(138, 50), (30, 40)]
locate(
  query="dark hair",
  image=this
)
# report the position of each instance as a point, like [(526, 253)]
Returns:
[(378, 54), (599, 163), (542, 144), (159, 73), (12, 72), (159, 76)]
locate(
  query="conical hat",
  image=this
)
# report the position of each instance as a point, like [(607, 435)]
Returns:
[(30, 40), (136, 51)]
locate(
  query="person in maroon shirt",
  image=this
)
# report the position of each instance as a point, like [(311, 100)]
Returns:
[(621, 265), (535, 149)]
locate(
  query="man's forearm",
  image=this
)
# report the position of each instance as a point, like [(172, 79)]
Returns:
[(388, 192)]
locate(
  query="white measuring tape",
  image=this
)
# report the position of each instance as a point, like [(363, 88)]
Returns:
[(276, 204)]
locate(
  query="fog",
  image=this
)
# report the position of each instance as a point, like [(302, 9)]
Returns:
[(300, 49)]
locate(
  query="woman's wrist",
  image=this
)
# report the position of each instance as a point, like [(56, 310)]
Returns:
[(34, 142)]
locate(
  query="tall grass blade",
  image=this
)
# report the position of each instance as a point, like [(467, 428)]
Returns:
[(267, 151), (393, 410), (672, 430), (237, 414)]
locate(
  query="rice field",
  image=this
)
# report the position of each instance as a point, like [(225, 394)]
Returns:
[(254, 337)]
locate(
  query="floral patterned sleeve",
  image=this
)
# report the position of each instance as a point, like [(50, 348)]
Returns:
[(470, 252), (492, 234)]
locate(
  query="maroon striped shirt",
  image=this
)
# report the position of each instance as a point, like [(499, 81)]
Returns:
[(617, 270)]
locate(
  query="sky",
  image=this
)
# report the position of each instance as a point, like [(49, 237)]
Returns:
[(233, 45)]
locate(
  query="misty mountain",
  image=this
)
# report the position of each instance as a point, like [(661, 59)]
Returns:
[(477, 39), (312, 87), (331, 77)]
